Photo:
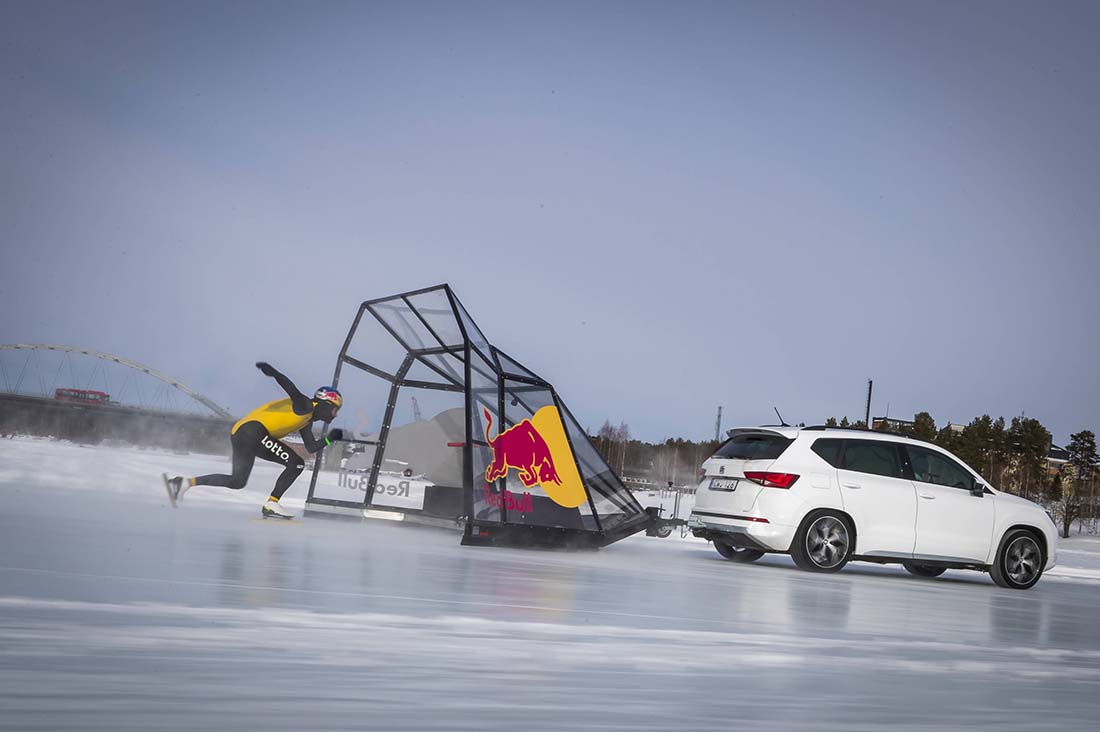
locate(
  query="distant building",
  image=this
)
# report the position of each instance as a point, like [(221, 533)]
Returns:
[(1056, 458), (889, 424), (955, 427), (637, 483)]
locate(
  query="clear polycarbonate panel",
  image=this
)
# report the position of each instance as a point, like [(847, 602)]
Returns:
[(361, 415), (420, 371), (406, 326), (510, 366), (345, 472), (434, 309), (373, 345), (364, 402), (522, 401), (473, 333), (484, 385), (421, 462), (615, 505), (487, 500), (484, 394), (448, 367)]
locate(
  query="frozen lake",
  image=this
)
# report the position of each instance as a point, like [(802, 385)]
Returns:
[(118, 612)]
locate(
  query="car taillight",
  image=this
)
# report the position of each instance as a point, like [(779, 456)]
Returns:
[(771, 480)]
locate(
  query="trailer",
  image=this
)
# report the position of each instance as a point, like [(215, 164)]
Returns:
[(503, 457)]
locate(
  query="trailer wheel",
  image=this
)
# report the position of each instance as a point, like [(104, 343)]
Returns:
[(664, 531), (738, 554)]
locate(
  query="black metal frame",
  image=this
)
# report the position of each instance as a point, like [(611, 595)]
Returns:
[(479, 531)]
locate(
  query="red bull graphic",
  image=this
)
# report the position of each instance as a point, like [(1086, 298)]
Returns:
[(522, 448), (539, 451)]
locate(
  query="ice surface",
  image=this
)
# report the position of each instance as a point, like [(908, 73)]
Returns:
[(118, 612)]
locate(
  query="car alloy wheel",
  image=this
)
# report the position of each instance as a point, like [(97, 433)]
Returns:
[(1022, 560), (827, 542), (824, 542), (1019, 562)]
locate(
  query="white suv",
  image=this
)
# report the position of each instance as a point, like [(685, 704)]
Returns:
[(827, 496)]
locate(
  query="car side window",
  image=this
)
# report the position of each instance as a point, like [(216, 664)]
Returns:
[(874, 457), (828, 449), (930, 466)]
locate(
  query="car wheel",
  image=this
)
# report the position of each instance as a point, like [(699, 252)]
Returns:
[(737, 553), (823, 543), (1019, 562), (923, 570), (665, 531)]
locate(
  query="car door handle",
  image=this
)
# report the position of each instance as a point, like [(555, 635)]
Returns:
[(928, 496), (853, 486)]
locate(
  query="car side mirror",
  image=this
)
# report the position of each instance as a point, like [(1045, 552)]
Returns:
[(977, 490)]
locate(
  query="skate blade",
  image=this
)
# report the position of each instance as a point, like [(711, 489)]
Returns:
[(168, 490), (273, 515)]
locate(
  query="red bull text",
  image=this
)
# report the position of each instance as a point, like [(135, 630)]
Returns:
[(509, 501)]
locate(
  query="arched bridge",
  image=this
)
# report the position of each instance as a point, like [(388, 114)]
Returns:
[(40, 369)]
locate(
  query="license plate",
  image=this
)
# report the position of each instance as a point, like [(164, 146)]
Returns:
[(723, 484)]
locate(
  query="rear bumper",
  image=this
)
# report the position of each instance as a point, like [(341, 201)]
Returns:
[(737, 539), (766, 537)]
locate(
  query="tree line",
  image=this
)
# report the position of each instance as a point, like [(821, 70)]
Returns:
[(675, 460), (1011, 455)]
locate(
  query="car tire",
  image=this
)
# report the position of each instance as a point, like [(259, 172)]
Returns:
[(1019, 562), (923, 570), (742, 555), (824, 542), (663, 532)]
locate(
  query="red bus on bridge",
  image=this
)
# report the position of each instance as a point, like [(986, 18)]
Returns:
[(82, 396)]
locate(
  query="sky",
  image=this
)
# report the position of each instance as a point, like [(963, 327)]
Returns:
[(659, 207)]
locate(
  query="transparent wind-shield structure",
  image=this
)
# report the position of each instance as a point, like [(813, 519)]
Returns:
[(442, 427)]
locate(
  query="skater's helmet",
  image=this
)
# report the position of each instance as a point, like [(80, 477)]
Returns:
[(330, 395)]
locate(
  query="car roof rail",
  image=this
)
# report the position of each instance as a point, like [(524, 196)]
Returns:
[(823, 427)]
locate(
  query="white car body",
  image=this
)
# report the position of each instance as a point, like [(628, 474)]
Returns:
[(895, 518)]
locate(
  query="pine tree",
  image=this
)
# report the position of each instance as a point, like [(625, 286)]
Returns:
[(1075, 475), (1082, 453), (1030, 445), (924, 427)]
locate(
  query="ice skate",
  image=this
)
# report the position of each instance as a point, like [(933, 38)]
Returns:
[(175, 487), (272, 509)]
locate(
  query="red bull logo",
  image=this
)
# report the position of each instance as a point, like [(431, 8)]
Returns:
[(522, 448), (539, 451)]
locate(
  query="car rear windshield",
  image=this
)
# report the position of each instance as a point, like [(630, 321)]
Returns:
[(753, 446)]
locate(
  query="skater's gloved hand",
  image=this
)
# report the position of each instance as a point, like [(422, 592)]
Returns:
[(266, 368), (335, 435)]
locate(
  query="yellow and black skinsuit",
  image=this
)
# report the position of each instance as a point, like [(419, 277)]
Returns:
[(258, 435)]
